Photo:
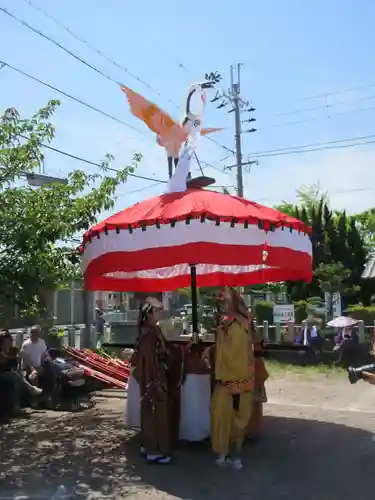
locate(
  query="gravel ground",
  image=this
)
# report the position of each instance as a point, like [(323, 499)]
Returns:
[(318, 443)]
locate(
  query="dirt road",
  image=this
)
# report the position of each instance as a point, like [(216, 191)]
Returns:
[(318, 444)]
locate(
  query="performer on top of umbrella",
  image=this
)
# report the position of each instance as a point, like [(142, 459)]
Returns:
[(232, 399), (151, 373)]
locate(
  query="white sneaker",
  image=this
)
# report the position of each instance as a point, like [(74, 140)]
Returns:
[(158, 459), (237, 464), (223, 460), (35, 391)]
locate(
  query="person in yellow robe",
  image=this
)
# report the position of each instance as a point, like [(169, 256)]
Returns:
[(232, 398)]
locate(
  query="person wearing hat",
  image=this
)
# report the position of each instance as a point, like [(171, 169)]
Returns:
[(152, 360), (309, 337), (232, 398)]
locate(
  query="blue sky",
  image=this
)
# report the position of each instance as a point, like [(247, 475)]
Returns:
[(293, 52)]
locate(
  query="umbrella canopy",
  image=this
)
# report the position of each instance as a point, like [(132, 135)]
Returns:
[(342, 322), (232, 241)]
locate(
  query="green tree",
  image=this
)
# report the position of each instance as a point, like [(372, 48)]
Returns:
[(333, 278), (366, 226), (335, 238), (312, 195), (34, 222)]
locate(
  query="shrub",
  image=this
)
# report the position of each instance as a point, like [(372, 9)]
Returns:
[(264, 312), (366, 314)]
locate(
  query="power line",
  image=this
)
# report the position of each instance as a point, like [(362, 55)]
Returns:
[(329, 94), (325, 106), (89, 106), (337, 92), (78, 58), (259, 154), (315, 118), (207, 164), (134, 191), (290, 152), (46, 37), (95, 164), (182, 66), (73, 98), (219, 144), (94, 49), (316, 144), (89, 162), (340, 191)]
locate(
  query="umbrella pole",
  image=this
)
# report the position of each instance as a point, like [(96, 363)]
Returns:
[(194, 299), (170, 166)]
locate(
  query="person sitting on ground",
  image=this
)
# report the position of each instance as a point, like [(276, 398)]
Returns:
[(9, 373), (36, 361), (32, 353)]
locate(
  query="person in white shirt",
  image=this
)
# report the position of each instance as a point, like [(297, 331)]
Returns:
[(32, 354)]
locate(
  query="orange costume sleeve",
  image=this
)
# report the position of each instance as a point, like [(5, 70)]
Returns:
[(261, 373)]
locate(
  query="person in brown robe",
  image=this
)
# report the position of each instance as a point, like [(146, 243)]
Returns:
[(151, 372)]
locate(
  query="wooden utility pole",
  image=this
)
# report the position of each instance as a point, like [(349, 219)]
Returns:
[(238, 105)]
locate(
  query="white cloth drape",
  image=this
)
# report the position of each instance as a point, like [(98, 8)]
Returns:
[(133, 404), (195, 407)]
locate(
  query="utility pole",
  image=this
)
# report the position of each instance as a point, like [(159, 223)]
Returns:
[(234, 93), (238, 107)]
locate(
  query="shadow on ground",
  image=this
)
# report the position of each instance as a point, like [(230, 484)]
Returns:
[(93, 455)]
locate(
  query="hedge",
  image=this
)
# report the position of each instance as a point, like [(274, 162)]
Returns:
[(264, 312), (300, 311), (366, 314)]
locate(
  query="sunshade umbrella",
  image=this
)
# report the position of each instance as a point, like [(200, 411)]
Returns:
[(197, 237), (342, 322)]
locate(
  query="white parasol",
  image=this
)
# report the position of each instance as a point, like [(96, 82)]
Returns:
[(342, 322)]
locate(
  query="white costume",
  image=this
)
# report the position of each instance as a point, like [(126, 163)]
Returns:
[(195, 406), (133, 403)]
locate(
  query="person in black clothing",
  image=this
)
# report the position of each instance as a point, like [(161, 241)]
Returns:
[(9, 374)]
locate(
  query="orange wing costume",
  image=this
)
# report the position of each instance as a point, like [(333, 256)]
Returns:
[(169, 134)]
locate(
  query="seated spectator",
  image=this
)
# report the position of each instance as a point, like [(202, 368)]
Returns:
[(9, 373), (309, 336), (347, 345), (32, 353), (36, 360)]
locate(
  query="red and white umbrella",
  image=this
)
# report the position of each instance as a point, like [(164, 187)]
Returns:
[(151, 246)]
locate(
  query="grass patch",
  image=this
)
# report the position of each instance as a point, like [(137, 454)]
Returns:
[(277, 369)]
